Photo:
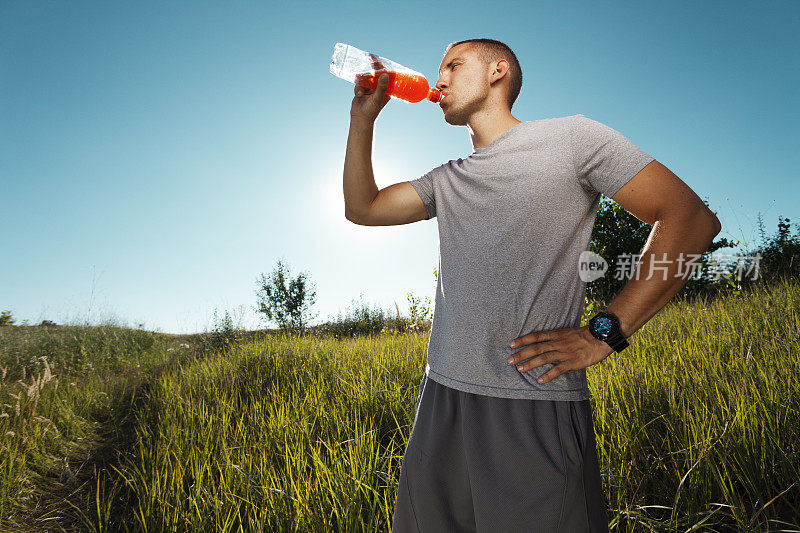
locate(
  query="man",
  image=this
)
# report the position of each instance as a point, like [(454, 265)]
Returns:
[(503, 435)]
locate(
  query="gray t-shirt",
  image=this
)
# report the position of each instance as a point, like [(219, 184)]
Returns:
[(513, 219)]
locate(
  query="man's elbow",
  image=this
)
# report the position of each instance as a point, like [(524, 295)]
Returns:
[(697, 221), (704, 218), (714, 224), (353, 218), (717, 225), (710, 224)]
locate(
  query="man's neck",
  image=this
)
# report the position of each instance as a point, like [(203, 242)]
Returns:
[(486, 128)]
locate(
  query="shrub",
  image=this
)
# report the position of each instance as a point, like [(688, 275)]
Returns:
[(362, 319)]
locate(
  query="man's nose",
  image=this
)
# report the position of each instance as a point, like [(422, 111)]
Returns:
[(440, 84)]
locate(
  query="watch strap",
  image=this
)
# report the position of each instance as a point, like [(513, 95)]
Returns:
[(617, 342)]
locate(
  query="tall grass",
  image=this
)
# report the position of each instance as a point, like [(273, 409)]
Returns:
[(280, 434), (696, 424), (65, 390)]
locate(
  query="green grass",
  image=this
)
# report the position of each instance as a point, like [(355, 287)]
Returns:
[(705, 427), (696, 425)]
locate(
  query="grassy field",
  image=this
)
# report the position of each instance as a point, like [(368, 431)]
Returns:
[(112, 429)]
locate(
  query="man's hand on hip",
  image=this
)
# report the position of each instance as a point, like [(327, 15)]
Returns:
[(571, 348)]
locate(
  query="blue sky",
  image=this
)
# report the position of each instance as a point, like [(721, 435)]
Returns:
[(157, 157)]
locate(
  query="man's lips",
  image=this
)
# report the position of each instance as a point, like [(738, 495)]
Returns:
[(442, 100)]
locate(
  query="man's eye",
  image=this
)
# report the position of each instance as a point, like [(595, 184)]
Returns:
[(454, 67)]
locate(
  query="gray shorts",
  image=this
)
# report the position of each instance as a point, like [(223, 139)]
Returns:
[(499, 465)]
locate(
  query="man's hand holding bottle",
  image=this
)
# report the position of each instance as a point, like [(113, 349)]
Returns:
[(368, 103)]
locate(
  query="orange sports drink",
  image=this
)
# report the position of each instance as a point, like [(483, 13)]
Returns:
[(365, 68), (409, 87)]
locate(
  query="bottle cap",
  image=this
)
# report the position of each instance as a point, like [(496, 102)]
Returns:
[(434, 95)]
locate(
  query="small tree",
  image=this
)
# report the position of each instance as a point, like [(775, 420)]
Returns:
[(779, 254), (419, 312), (225, 332), (6, 319), (284, 300)]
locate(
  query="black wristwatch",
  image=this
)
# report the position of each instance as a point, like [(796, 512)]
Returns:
[(605, 327)]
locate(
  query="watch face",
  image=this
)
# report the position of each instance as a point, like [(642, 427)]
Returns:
[(602, 326)]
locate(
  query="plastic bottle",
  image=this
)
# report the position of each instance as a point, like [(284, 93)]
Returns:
[(364, 68)]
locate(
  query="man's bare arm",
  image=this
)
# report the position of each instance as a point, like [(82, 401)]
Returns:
[(682, 224), (359, 181), (364, 203)]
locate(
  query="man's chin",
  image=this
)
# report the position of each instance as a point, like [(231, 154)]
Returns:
[(453, 120)]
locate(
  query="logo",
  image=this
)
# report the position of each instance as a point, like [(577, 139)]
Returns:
[(591, 266)]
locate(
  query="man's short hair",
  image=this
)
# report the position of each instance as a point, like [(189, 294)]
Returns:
[(491, 50)]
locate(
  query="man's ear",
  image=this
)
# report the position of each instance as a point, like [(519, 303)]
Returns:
[(500, 70)]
